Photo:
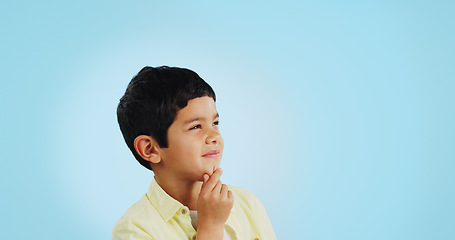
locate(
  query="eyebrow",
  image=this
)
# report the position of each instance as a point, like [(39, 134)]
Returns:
[(200, 118)]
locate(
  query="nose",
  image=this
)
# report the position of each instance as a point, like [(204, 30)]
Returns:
[(213, 136)]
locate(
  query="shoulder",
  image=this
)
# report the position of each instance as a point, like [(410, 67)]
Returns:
[(139, 210), (244, 199), (135, 220), (241, 192), (249, 217)]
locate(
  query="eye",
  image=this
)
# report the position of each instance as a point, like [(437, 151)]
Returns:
[(216, 123), (196, 127)]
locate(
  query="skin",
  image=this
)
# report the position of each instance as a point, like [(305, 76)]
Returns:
[(215, 202), (188, 170)]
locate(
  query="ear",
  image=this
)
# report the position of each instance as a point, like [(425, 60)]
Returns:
[(147, 148)]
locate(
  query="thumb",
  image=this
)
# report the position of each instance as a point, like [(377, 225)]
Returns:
[(206, 177)]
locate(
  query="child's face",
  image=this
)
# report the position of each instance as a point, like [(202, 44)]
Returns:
[(195, 145)]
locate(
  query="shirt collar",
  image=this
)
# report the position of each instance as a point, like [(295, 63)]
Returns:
[(163, 203)]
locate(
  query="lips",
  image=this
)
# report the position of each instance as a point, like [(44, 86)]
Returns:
[(212, 154)]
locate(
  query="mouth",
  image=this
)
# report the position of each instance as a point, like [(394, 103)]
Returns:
[(212, 154)]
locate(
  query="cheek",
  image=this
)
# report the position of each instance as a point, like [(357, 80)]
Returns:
[(187, 147), (221, 144)]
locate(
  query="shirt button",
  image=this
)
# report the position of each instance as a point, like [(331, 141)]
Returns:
[(183, 211), (194, 237), (256, 238)]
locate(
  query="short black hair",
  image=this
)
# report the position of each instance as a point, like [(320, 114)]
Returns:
[(152, 100)]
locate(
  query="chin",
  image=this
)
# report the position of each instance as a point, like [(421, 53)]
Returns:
[(214, 169)]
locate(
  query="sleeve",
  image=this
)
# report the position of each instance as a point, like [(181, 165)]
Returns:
[(263, 220), (129, 231)]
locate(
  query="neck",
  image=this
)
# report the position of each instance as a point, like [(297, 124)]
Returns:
[(183, 191)]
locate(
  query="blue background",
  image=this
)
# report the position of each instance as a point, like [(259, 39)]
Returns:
[(339, 116)]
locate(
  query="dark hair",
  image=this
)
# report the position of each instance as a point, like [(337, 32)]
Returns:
[(152, 100)]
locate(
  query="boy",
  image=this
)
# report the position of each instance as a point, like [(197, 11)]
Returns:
[(169, 120)]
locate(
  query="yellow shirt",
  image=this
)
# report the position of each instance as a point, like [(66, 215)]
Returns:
[(159, 216)]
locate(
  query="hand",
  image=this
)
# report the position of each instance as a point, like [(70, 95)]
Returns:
[(214, 204)]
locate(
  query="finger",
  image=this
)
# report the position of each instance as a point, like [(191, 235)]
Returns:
[(217, 174), (217, 187), (224, 190), (206, 177), (210, 184), (230, 195)]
